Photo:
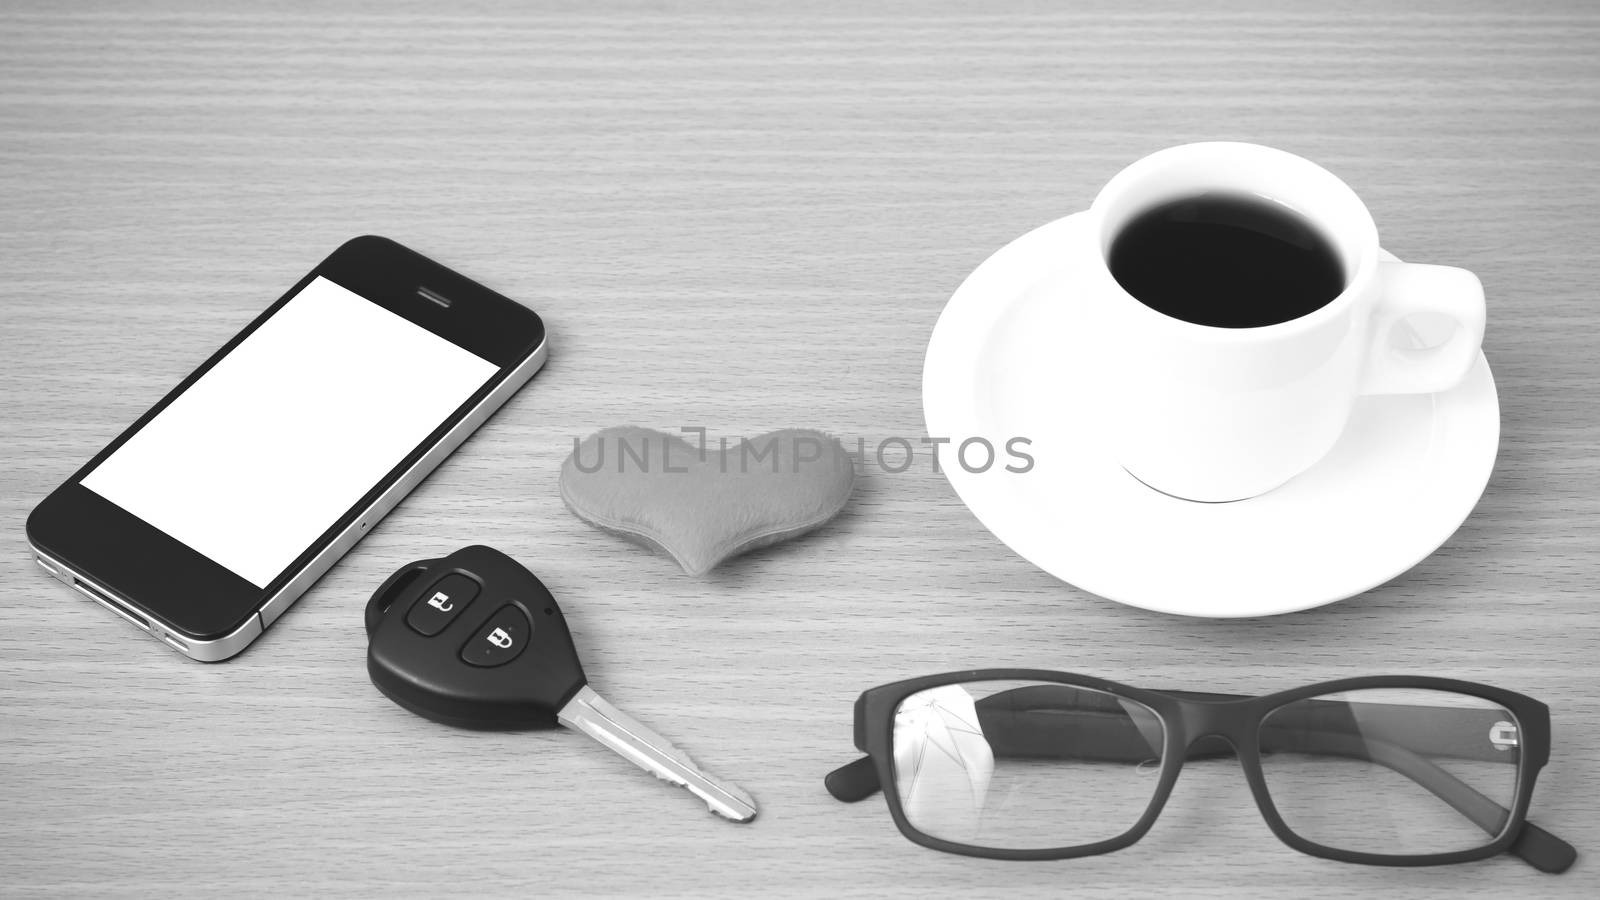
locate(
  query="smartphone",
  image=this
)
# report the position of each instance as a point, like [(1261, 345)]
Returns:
[(208, 517)]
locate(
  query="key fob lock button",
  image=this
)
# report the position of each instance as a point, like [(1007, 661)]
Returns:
[(500, 639), (440, 604)]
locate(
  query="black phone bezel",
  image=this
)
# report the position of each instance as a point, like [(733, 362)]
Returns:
[(159, 576)]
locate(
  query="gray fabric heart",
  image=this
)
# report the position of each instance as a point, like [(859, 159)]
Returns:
[(657, 489)]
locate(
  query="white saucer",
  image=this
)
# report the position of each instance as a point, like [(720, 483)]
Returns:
[(1001, 364)]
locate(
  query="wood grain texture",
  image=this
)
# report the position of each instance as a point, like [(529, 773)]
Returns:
[(743, 218)]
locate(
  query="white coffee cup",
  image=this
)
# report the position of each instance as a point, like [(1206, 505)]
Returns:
[(1218, 414)]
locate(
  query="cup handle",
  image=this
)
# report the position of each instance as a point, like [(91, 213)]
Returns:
[(1411, 288)]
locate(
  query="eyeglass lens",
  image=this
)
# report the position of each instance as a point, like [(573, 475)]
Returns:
[(1392, 771), (1022, 765)]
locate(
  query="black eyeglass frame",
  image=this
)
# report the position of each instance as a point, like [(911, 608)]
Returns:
[(1188, 716)]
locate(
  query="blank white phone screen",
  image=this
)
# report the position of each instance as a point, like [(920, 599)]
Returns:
[(258, 458)]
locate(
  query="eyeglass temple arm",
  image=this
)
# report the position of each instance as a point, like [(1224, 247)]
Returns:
[(1026, 732), (1540, 848)]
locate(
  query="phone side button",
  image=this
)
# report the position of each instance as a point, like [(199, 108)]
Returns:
[(218, 649), (58, 574)]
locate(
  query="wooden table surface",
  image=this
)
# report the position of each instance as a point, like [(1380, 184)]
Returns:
[(739, 218)]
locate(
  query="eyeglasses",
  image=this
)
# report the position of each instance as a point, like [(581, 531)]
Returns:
[(1024, 764)]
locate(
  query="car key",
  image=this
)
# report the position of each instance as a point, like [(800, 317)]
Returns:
[(475, 640)]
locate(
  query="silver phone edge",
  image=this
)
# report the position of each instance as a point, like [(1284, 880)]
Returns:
[(231, 644)]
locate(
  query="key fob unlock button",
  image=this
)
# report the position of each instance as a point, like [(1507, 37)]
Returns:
[(500, 639), (439, 605)]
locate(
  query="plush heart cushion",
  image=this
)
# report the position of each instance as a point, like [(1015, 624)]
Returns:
[(657, 489)]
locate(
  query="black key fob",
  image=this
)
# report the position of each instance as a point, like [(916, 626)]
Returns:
[(473, 640)]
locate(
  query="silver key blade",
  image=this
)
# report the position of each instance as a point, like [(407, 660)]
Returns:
[(589, 713)]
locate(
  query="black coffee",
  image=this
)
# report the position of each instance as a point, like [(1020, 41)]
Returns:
[(1226, 260)]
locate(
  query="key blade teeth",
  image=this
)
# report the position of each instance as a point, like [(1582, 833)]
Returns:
[(738, 806), (733, 790), (669, 779), (740, 816), (589, 713)]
